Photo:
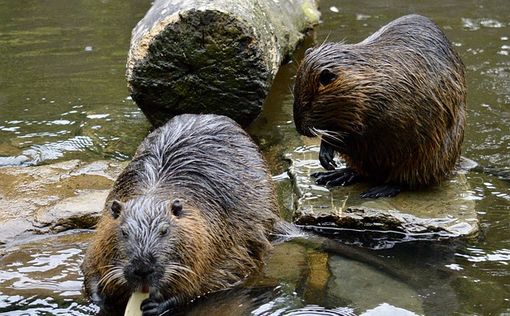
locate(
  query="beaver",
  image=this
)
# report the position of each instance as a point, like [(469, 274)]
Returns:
[(192, 213), (392, 106)]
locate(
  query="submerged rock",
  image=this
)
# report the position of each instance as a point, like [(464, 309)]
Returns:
[(53, 198), (447, 210), (372, 288)]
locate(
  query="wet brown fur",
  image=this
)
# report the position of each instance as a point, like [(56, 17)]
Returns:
[(396, 110), (210, 164)]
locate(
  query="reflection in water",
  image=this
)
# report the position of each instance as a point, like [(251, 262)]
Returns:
[(312, 276), (387, 309), (318, 311), (44, 277), (501, 256), (52, 151), (62, 88)]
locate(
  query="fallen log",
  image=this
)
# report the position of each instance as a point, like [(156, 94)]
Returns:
[(212, 56)]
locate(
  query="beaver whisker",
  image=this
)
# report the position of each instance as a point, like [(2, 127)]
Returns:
[(108, 266), (291, 90), (114, 274), (330, 135), (180, 267), (109, 274), (171, 277), (326, 39), (336, 135), (173, 270)]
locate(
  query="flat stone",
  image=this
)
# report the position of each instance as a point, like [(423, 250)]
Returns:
[(53, 198), (443, 211), (80, 211)]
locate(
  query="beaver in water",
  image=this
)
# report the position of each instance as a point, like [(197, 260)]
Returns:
[(191, 214), (393, 106)]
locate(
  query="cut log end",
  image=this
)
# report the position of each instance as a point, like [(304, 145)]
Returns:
[(197, 61)]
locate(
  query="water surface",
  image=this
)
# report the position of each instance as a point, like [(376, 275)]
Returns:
[(63, 95)]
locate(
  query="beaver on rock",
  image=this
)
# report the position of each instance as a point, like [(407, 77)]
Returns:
[(393, 106), (191, 214)]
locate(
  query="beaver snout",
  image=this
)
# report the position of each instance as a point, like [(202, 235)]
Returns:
[(303, 129), (142, 273), (300, 121)]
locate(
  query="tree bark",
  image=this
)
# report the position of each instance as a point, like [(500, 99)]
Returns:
[(212, 56)]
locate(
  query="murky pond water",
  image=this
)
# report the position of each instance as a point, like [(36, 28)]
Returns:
[(62, 89), (63, 95)]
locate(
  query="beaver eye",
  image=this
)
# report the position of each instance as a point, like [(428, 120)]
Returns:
[(115, 208), (163, 231), (176, 208), (326, 77)]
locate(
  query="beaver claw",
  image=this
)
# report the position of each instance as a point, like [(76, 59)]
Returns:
[(151, 307), (341, 177), (383, 190), (326, 156)]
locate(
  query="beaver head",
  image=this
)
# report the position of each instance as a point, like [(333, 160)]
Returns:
[(154, 239), (332, 88)]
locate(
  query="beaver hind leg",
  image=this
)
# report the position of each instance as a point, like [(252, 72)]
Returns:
[(340, 177), (382, 190)]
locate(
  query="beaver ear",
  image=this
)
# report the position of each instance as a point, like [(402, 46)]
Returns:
[(308, 50), (326, 77), (176, 208), (116, 208)]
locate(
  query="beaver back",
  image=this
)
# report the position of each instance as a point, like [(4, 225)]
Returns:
[(211, 166), (392, 105)]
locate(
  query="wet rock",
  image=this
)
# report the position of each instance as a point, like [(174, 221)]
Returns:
[(447, 210), (318, 276), (276, 267), (53, 198), (80, 211)]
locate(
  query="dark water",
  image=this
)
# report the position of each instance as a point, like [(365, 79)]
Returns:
[(62, 89), (63, 95)]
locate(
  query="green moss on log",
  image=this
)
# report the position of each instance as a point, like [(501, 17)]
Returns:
[(212, 56)]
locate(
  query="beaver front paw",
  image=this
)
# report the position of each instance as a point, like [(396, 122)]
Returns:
[(341, 177), (152, 307), (326, 156)]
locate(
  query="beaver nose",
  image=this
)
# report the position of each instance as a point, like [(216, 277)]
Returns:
[(143, 271)]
